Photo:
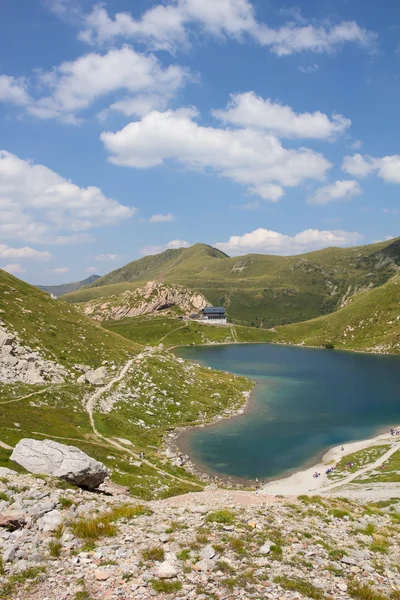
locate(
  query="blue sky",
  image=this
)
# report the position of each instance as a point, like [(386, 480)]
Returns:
[(254, 126)]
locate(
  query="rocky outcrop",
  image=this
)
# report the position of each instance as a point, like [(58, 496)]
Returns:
[(66, 462), (154, 297), (22, 363)]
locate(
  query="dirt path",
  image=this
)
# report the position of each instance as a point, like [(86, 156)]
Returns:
[(28, 395), (90, 407), (173, 331)]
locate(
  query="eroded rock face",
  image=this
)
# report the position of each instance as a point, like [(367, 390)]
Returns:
[(66, 462), (154, 297), (22, 363)]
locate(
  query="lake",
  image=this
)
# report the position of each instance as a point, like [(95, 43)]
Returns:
[(306, 401)]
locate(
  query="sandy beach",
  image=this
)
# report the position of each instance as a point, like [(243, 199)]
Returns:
[(303, 482)]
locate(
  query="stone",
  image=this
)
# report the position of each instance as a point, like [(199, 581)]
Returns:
[(206, 564), (347, 560), (265, 548), (66, 462), (4, 471), (97, 376), (50, 521), (167, 570), (202, 510), (207, 552), (164, 538), (342, 587), (101, 575), (41, 508), (5, 338), (9, 553), (12, 519)]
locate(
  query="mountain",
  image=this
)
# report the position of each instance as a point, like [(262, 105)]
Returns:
[(65, 288), (261, 290), (65, 378), (370, 323)]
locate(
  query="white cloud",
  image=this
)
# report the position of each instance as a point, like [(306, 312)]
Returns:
[(13, 90), (264, 241), (249, 110), (172, 245), (387, 168), (249, 157), (108, 257), (309, 68), (76, 85), (59, 270), (38, 205), (356, 145), (91, 269), (14, 269), (162, 218), (23, 253), (166, 27), (339, 190)]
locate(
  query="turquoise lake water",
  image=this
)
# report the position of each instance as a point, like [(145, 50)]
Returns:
[(305, 402)]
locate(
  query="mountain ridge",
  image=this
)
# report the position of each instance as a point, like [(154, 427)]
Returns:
[(65, 288)]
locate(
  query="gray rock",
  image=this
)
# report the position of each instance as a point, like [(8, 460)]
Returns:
[(164, 538), (5, 338), (41, 508), (347, 560), (97, 376), (4, 472), (9, 553), (265, 548), (66, 462), (206, 564), (50, 521), (207, 552), (167, 570)]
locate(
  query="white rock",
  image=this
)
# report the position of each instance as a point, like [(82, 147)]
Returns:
[(207, 552), (50, 521), (67, 462), (167, 570)]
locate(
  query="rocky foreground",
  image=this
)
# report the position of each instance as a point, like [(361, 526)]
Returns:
[(60, 542)]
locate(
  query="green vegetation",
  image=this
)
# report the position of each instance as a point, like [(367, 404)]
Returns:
[(10, 587), (370, 322), (55, 548), (296, 584), (162, 586), (360, 459), (155, 553), (260, 289), (224, 516), (390, 472), (156, 329)]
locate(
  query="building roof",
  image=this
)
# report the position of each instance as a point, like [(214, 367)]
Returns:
[(214, 310)]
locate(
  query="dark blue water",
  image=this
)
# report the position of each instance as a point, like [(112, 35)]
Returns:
[(305, 402)]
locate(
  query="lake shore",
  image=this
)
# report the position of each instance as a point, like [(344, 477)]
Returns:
[(303, 482)]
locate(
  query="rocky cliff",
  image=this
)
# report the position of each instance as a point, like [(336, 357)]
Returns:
[(154, 297)]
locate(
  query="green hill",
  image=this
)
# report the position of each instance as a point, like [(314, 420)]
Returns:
[(140, 407), (260, 289), (66, 288), (371, 322)]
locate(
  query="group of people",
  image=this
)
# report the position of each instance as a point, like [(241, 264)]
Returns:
[(316, 475), (395, 431)]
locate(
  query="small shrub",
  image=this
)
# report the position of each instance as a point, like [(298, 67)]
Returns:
[(3, 496), (299, 585), (329, 346), (237, 545), (221, 516), (225, 567), (166, 587), (338, 513), (364, 592), (129, 511), (65, 502), (368, 529), (57, 533), (95, 528), (155, 553), (55, 548), (183, 554)]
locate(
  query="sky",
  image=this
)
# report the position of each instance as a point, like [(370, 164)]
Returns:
[(255, 126)]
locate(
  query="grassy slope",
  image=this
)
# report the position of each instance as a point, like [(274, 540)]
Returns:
[(59, 412), (272, 290), (370, 322), (154, 330)]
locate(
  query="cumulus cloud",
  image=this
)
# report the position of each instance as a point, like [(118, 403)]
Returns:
[(23, 253), (59, 270), (249, 110), (248, 157), (39, 205), (264, 241), (76, 85), (91, 269), (168, 26), (13, 90), (14, 269), (339, 190), (172, 245), (387, 168), (162, 218), (108, 257)]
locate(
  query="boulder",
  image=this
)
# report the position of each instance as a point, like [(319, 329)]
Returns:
[(12, 519), (66, 462), (167, 570), (50, 521), (97, 376)]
